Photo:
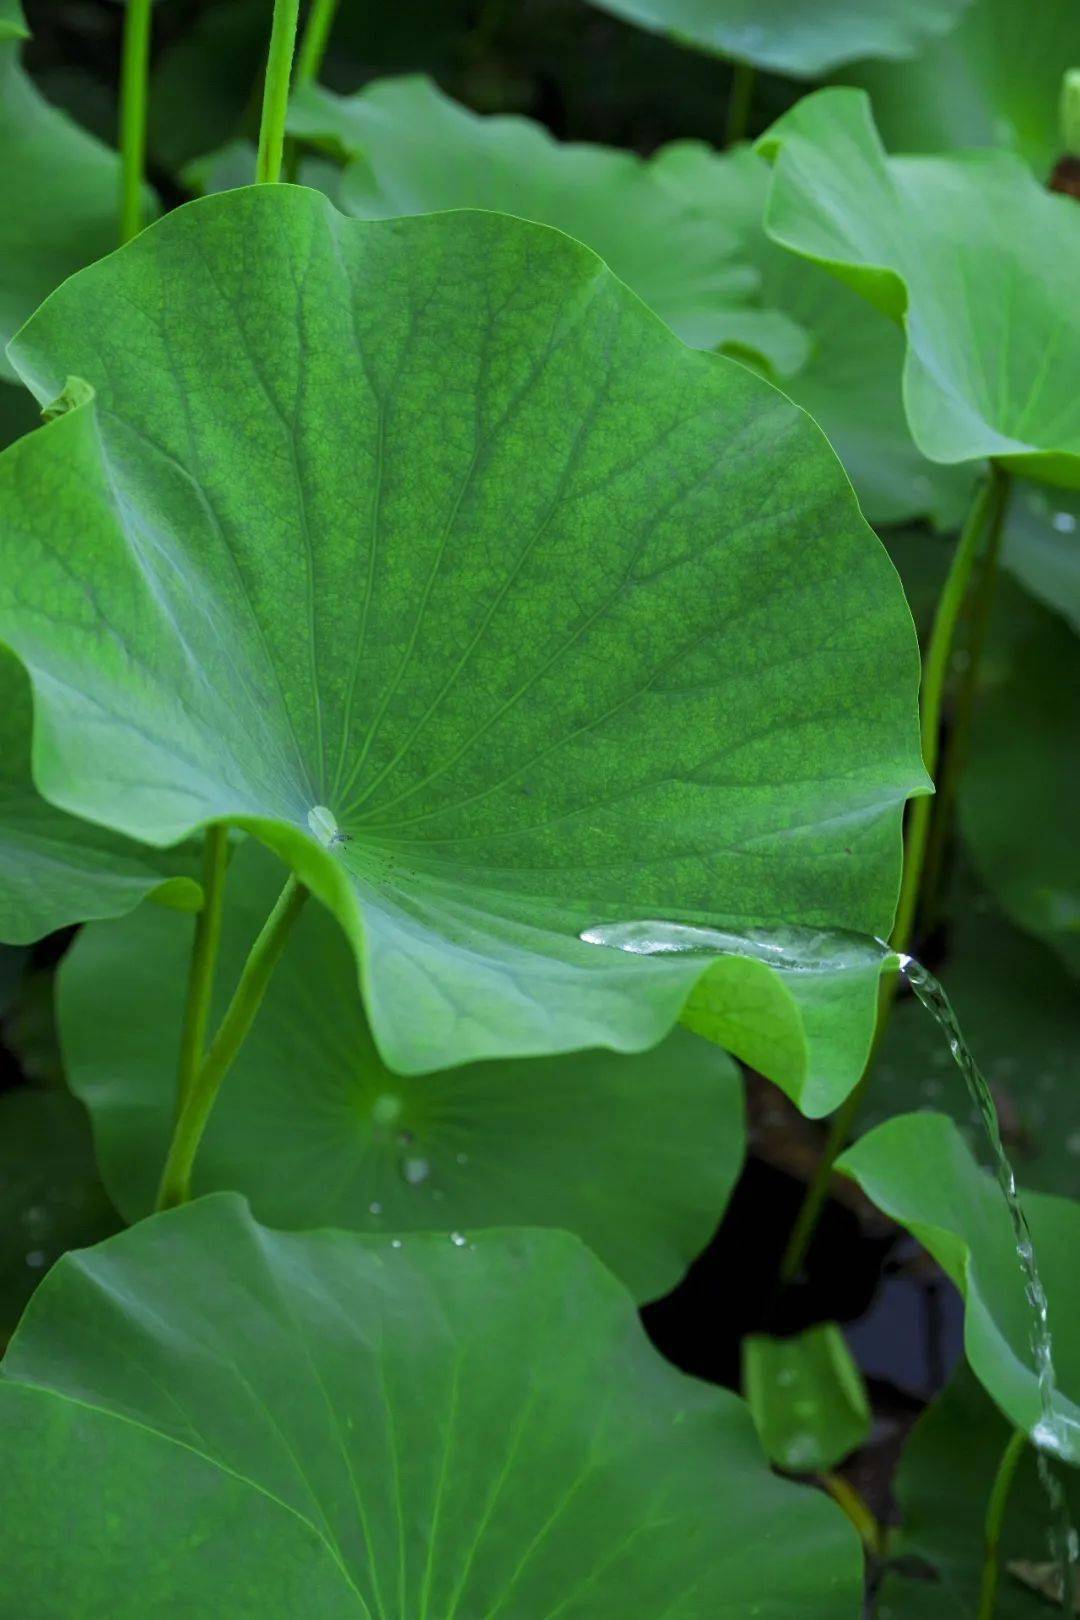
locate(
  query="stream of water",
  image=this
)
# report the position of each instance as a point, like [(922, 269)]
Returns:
[(808, 950)]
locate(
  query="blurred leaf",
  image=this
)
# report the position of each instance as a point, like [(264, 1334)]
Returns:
[(1021, 1014), (51, 1198), (205, 83), (804, 38), (638, 1155), (1020, 791), (806, 1397), (917, 1169), (447, 1427), (1042, 547), (415, 151), (992, 80), (990, 317), (943, 1486)]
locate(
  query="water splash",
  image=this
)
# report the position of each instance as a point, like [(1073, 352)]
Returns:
[(809, 950)]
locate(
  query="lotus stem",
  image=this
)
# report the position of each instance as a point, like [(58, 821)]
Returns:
[(134, 72), (204, 954), (275, 105)]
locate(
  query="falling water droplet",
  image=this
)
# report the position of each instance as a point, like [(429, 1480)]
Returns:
[(36, 1259), (395, 1243), (386, 1109), (458, 1240), (375, 1208), (1064, 522), (415, 1170), (462, 1158)]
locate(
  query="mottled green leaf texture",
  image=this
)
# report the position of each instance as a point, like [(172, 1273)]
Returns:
[(1019, 794), (414, 151), (992, 327), (55, 869), (638, 1155), (943, 1486), (799, 37), (422, 549), (806, 1396), (992, 80), (451, 1428), (917, 1169)]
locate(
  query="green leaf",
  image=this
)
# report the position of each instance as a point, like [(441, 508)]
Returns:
[(51, 1198), (806, 1397), (415, 151), (1042, 547), (943, 1486), (1021, 784), (993, 80), (431, 525), (846, 371), (1019, 1011), (638, 1155), (993, 336), (59, 190), (55, 869), (918, 1169), (802, 38), (437, 1429)]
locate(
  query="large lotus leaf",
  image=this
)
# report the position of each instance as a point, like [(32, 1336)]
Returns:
[(993, 337), (803, 38), (943, 1486), (993, 80), (1021, 1015), (847, 372), (1020, 790), (638, 1155), (348, 1427), (55, 869), (415, 152), (918, 1169), (59, 192), (423, 550)]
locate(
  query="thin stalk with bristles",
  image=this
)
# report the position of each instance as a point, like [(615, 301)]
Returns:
[(309, 58), (275, 105), (134, 74), (204, 954)]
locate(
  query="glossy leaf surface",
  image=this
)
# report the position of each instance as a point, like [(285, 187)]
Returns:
[(415, 151), (436, 1429), (637, 1155), (943, 1486), (993, 336), (917, 1169), (797, 37), (1020, 791), (554, 619), (54, 869), (806, 1397)]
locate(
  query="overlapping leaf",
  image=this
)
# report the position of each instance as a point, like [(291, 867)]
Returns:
[(804, 38), (54, 868), (428, 530), (441, 1428), (414, 151), (993, 334), (917, 1169), (806, 1396), (635, 1154), (992, 80)]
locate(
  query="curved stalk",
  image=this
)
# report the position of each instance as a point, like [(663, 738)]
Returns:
[(740, 99), (275, 105), (981, 530), (204, 952), (309, 58), (134, 72), (247, 999), (848, 1499), (995, 1518)]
